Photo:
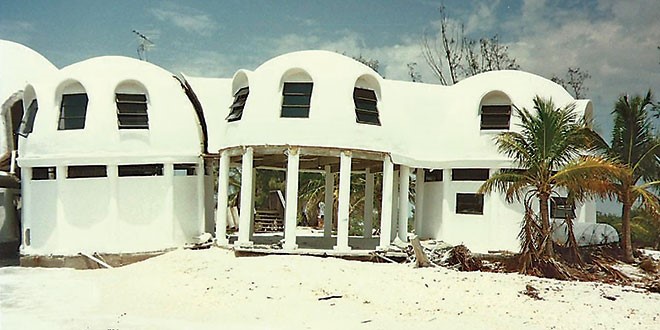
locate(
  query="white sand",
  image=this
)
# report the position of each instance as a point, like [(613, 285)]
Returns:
[(211, 289)]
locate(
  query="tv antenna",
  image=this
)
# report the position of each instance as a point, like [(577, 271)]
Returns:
[(144, 46)]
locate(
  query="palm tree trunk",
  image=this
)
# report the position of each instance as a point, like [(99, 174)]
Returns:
[(626, 240), (546, 247)]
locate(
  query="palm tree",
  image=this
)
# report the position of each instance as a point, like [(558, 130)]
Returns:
[(636, 147), (549, 153)]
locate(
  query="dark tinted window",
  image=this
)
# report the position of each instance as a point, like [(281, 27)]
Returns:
[(240, 98), (73, 111), (561, 209), (296, 98), (432, 175), (86, 171), (469, 174), (495, 117), (366, 106), (44, 173), (469, 203), (132, 111), (141, 170)]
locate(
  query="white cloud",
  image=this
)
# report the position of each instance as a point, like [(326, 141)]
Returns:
[(189, 19)]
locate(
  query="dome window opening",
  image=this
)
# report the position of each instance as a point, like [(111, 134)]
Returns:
[(495, 117), (366, 109), (73, 111), (27, 123), (236, 109), (132, 111), (296, 99)]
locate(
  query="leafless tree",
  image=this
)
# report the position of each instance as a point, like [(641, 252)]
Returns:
[(574, 81), (453, 56), (413, 74)]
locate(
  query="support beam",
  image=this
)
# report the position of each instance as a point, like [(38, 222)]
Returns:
[(368, 203), (223, 197), (419, 202), (291, 210), (329, 201), (245, 218), (404, 186), (344, 201), (386, 207)]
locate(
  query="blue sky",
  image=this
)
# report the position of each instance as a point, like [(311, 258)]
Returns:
[(615, 41)]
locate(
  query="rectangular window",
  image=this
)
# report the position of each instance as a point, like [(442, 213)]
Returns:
[(27, 123), (185, 169), (366, 109), (240, 98), (561, 209), (432, 175), (132, 111), (296, 99), (73, 111), (469, 174), (141, 170), (469, 203), (87, 171), (44, 173), (495, 117)]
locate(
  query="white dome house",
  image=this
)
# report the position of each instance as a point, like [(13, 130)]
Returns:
[(111, 162)]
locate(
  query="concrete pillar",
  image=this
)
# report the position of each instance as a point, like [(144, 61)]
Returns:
[(168, 175), (201, 200), (368, 203), (223, 197), (404, 186), (245, 217), (291, 210), (386, 207), (395, 206), (254, 199), (419, 202), (329, 201), (344, 201)]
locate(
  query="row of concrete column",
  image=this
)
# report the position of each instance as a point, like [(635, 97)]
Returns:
[(291, 207)]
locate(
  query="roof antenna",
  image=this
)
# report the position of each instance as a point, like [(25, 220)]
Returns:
[(144, 46)]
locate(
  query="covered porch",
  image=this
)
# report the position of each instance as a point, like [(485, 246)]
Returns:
[(383, 193)]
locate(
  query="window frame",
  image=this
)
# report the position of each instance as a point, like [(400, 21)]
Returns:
[(140, 170), (360, 109), (560, 208), (288, 107), (189, 168), (27, 122), (470, 174), (433, 175), (464, 204), (64, 108), (488, 112), (140, 104), (86, 171), (237, 107), (43, 173)]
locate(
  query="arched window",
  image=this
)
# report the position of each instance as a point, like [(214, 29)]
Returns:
[(296, 94), (241, 87), (495, 111), (73, 107), (131, 99), (366, 101)]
